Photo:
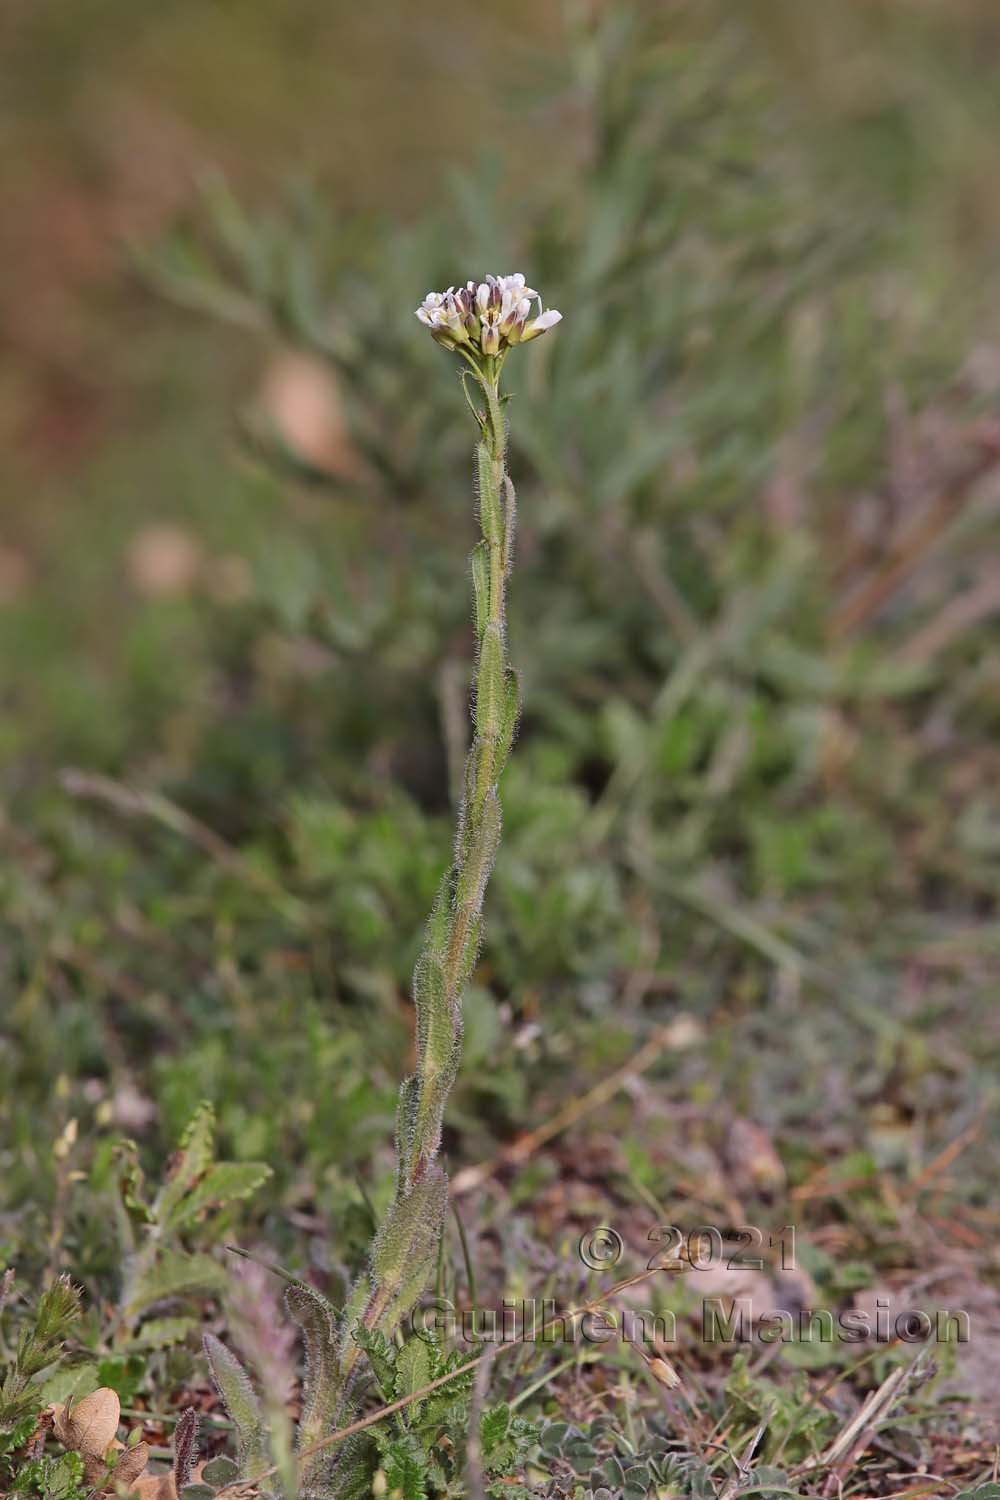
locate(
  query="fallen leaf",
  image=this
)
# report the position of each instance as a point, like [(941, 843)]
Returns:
[(90, 1426), (131, 1463)]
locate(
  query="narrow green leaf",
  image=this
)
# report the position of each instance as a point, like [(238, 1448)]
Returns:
[(509, 714), (321, 1387), (510, 522), (488, 475), (469, 954), (358, 1299), (406, 1122), (483, 842), (405, 1248), (440, 918), (490, 684), (241, 1403), (434, 1028), (481, 584), (480, 776)]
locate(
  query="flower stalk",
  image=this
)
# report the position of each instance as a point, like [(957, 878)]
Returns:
[(481, 324)]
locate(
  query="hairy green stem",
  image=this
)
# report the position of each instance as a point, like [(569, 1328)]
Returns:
[(406, 1246)]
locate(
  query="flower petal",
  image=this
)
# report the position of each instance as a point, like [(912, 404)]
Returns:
[(542, 324)]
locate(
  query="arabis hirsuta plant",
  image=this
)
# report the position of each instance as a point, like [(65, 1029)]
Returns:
[(480, 322)]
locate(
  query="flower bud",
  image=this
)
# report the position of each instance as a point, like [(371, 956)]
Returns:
[(490, 338)]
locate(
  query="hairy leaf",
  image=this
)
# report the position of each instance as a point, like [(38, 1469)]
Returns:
[(405, 1248), (174, 1274), (219, 1470), (413, 1370), (382, 1358), (481, 584), (488, 473), (405, 1468), (241, 1402), (185, 1445), (193, 1159), (162, 1333), (321, 1387), (482, 842), (435, 1025), (509, 714), (493, 1426), (490, 692), (225, 1182)]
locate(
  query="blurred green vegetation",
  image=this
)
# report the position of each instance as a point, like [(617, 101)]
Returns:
[(755, 609)]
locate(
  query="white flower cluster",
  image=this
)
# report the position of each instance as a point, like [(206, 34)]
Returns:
[(486, 317)]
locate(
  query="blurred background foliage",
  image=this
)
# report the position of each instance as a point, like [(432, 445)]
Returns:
[(755, 609)]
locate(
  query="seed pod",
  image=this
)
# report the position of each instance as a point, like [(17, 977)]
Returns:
[(663, 1371)]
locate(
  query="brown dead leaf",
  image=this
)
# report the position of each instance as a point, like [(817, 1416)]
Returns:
[(90, 1425), (131, 1463)]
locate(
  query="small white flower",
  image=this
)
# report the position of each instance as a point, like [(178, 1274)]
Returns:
[(487, 316), (541, 324)]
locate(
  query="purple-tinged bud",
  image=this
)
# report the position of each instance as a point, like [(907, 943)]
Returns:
[(507, 313), (490, 338)]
